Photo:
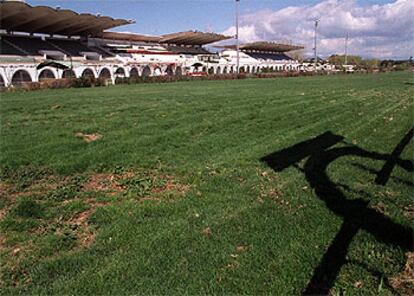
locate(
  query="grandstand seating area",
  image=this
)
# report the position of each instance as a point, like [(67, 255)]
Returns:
[(28, 45), (188, 50), (8, 49), (33, 46), (72, 48), (269, 56)]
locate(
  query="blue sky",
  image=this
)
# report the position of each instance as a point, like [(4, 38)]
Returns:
[(168, 16)]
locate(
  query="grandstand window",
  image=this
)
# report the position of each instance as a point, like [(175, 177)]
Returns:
[(2, 83), (248, 69), (169, 71), (204, 69), (242, 70), (211, 71), (218, 70), (225, 70), (68, 73), (146, 71), (21, 77), (134, 73), (105, 73), (88, 73), (179, 72), (46, 75), (120, 72)]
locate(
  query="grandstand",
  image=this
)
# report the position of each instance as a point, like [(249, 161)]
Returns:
[(40, 42)]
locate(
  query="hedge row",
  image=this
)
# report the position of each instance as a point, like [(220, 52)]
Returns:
[(166, 79), (96, 82)]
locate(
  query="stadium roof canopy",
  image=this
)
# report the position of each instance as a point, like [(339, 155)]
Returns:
[(192, 38), (264, 46), (181, 38), (21, 17), (127, 37)]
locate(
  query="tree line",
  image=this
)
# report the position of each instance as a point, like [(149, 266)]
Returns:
[(360, 63)]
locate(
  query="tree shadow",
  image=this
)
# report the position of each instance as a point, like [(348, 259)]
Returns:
[(355, 213)]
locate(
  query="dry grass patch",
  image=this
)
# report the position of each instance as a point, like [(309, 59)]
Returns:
[(103, 182), (88, 138), (404, 282)]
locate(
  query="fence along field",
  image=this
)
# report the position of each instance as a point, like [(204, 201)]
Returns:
[(245, 186)]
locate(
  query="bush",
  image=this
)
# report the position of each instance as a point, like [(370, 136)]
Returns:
[(29, 86), (84, 82)]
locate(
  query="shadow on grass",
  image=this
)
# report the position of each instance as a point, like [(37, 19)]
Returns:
[(355, 213)]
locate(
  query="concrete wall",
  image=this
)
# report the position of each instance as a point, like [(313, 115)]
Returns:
[(11, 70)]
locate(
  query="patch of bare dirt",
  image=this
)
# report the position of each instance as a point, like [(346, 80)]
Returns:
[(404, 282), (2, 243), (3, 212), (207, 232), (85, 235), (103, 182), (380, 207), (408, 211), (86, 240), (242, 248), (43, 186), (82, 218), (4, 187), (359, 284), (39, 187), (171, 185), (6, 193), (88, 138)]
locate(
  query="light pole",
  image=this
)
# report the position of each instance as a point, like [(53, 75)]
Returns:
[(315, 61), (237, 36), (346, 49)]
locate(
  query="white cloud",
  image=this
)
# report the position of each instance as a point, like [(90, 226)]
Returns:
[(382, 31)]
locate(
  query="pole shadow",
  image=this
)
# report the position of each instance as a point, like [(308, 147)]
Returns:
[(355, 213)]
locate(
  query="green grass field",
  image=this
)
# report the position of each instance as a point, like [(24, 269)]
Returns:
[(171, 196)]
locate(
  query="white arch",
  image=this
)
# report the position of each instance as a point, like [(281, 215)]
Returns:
[(32, 74), (146, 71), (87, 69), (68, 71), (116, 69), (47, 70), (105, 69), (136, 70), (24, 71)]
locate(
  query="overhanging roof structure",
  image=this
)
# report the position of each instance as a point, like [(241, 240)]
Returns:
[(192, 38), (21, 17), (264, 46), (128, 37), (180, 39)]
